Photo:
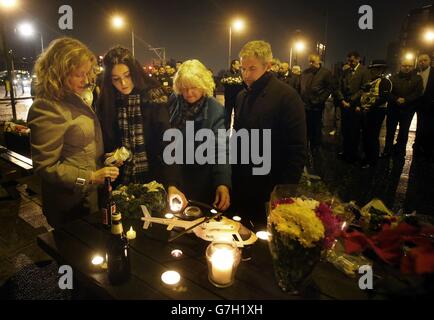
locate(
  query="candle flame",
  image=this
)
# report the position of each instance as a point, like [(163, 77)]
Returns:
[(97, 260), (263, 235)]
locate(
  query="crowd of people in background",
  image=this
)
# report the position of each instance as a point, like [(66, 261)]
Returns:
[(364, 96)]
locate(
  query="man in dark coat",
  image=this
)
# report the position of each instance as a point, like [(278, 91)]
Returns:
[(424, 144), (349, 99), (294, 78), (315, 86), (406, 89), (267, 103)]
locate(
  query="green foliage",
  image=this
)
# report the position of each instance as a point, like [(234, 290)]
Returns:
[(129, 198)]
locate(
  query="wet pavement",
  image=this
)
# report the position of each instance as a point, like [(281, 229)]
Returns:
[(22, 105), (402, 183)]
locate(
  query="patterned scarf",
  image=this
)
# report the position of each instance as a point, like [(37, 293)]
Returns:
[(131, 126), (186, 112)]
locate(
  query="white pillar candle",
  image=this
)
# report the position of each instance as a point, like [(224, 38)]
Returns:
[(222, 262)]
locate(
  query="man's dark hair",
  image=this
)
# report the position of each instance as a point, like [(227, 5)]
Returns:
[(354, 54)]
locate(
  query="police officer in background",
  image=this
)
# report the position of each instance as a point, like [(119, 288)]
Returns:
[(373, 103)]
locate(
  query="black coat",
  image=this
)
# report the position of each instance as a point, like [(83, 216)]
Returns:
[(315, 87), (351, 84), (294, 81), (231, 90), (407, 86), (269, 104), (426, 101)]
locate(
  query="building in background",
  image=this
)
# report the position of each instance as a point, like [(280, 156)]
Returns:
[(416, 36)]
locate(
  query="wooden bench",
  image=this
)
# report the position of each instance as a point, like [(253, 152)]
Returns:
[(16, 159)]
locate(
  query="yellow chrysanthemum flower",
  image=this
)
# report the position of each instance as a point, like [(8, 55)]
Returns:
[(299, 221)]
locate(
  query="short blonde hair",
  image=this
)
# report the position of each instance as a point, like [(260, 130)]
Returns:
[(55, 65), (258, 49), (193, 74)]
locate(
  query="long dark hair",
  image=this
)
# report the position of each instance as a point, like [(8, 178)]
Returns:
[(106, 108)]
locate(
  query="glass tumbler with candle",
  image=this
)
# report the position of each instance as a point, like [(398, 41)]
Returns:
[(223, 258)]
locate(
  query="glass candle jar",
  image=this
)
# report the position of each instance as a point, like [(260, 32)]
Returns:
[(223, 258)]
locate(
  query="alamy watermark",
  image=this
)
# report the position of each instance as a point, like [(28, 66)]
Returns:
[(366, 281), (366, 21), (66, 20), (214, 147), (66, 279)]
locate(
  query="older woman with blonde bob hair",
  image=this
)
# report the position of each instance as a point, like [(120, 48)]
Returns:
[(193, 103), (66, 137)]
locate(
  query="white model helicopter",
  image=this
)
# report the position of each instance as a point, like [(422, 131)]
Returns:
[(208, 229)]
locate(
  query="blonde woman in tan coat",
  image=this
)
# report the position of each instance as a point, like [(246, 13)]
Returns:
[(66, 139)]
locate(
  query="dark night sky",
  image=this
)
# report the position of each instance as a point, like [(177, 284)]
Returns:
[(199, 28)]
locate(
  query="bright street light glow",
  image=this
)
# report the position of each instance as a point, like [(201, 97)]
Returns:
[(8, 3), (26, 29), (409, 56), (429, 36), (238, 25), (118, 22), (300, 46)]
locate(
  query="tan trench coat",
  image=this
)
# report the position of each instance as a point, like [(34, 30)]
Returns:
[(67, 146)]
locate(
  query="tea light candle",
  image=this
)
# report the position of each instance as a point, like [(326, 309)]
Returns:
[(97, 260), (176, 253), (169, 215), (222, 262), (263, 235), (171, 278), (131, 234)]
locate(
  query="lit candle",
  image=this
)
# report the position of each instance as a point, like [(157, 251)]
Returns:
[(98, 263), (171, 278), (176, 253), (97, 260), (222, 262), (169, 215), (263, 235), (236, 218), (131, 234), (175, 203)]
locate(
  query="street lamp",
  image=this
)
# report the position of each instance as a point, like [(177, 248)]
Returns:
[(299, 46), (409, 56), (6, 5), (27, 30), (238, 25), (429, 36), (118, 22)]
